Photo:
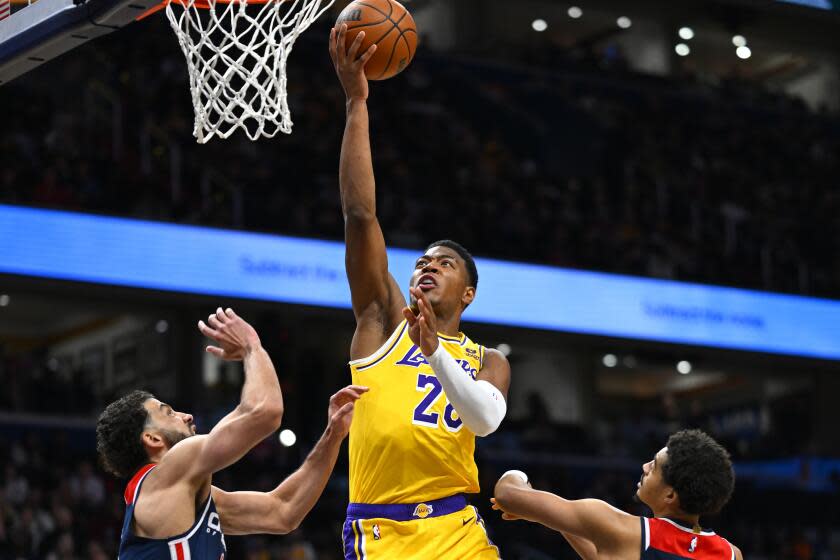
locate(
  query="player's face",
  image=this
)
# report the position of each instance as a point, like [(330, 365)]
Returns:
[(442, 275), (173, 426), (651, 488)]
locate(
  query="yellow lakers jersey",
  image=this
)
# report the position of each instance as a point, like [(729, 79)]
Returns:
[(407, 443)]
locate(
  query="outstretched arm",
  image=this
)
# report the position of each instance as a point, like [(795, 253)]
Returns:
[(609, 530), (258, 414), (376, 297), (282, 510)]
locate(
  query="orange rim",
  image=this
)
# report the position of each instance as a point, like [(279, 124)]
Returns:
[(201, 4)]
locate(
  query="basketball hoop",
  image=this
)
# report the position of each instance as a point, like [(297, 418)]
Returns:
[(236, 53)]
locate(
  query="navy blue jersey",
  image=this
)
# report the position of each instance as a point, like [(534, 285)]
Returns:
[(203, 541)]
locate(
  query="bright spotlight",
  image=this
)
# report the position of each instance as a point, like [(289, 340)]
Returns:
[(686, 33), (743, 52), (162, 326), (575, 12), (684, 367), (609, 360), (682, 49), (739, 40), (4, 300), (504, 349), (624, 22), (539, 25), (287, 438)]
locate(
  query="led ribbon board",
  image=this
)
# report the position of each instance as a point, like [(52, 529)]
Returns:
[(177, 258), (821, 4)]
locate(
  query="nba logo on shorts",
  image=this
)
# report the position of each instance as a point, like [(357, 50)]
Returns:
[(693, 546), (376, 535), (422, 511)]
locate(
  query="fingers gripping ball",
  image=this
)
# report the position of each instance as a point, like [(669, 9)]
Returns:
[(387, 24)]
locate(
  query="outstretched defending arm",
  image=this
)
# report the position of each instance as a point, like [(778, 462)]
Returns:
[(282, 510), (376, 297), (608, 530), (258, 414)]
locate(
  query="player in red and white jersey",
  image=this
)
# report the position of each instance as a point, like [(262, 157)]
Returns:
[(690, 477)]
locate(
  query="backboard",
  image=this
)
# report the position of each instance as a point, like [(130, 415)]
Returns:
[(37, 32)]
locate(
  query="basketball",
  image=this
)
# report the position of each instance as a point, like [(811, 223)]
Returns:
[(387, 24)]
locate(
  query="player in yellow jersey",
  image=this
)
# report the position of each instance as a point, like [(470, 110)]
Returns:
[(432, 389)]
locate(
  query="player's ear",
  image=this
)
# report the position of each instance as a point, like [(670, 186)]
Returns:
[(468, 296), (671, 496), (152, 440)]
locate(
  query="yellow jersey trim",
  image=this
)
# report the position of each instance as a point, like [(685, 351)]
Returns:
[(460, 339), (382, 351)]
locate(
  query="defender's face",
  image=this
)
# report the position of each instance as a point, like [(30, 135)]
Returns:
[(173, 426), (651, 488), (442, 276)]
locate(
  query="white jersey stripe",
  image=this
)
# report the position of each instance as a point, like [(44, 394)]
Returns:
[(681, 528), (184, 542), (139, 482), (362, 541), (647, 533)]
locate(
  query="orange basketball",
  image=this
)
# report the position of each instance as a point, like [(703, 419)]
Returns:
[(386, 23)]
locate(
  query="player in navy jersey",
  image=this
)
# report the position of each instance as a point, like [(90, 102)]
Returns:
[(172, 509), (691, 476)]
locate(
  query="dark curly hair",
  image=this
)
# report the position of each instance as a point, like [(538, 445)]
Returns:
[(118, 434), (472, 271), (700, 471)]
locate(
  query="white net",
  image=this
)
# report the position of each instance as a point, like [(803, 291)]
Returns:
[(236, 56)]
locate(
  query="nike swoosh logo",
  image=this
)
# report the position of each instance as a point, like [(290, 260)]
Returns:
[(468, 520)]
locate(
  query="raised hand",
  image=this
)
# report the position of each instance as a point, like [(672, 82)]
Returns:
[(342, 404), (349, 65), (234, 336), (422, 328)]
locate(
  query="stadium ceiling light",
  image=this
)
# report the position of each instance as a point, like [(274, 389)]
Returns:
[(504, 349), (686, 33), (743, 52), (287, 438), (162, 326), (539, 25), (4, 300), (684, 367), (739, 40), (575, 12), (624, 22), (609, 360), (682, 49)]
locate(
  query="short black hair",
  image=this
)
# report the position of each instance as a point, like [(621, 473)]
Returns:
[(118, 431), (472, 271), (700, 471)]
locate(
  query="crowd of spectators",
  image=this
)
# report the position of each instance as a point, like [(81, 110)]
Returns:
[(575, 165)]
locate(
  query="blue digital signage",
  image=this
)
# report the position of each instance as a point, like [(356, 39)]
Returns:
[(177, 258)]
